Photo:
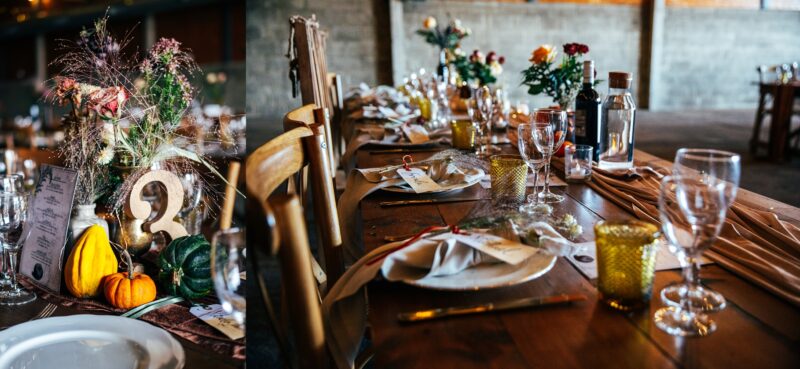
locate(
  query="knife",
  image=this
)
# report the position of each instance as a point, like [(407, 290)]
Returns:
[(390, 151), (424, 201), (496, 306)]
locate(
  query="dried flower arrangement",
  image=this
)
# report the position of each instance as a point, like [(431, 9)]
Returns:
[(124, 115)]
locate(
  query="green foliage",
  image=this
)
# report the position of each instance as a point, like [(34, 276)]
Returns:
[(474, 70)]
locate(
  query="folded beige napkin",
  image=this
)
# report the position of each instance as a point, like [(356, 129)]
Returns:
[(754, 244), (362, 182), (430, 255), (386, 137)]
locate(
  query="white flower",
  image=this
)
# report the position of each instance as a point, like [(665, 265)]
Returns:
[(106, 155), (107, 136), (496, 68)]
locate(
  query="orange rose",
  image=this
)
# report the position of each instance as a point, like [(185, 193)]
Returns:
[(545, 53)]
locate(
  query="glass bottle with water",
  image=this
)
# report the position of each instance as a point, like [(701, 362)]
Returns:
[(617, 123)]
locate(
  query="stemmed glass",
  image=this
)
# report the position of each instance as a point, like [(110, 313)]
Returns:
[(11, 183), (532, 156), (692, 212), (228, 256), (547, 143), (190, 213), (479, 108), (714, 168), (13, 232)]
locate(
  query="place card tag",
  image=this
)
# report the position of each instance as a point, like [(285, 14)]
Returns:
[(586, 260), (507, 251), (415, 133), (216, 317), (420, 181), (44, 251)]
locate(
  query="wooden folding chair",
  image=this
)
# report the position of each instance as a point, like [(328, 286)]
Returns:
[(307, 53)]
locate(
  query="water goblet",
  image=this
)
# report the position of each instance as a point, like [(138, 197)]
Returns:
[(714, 168), (228, 256), (533, 157), (14, 230), (690, 211), (547, 142)]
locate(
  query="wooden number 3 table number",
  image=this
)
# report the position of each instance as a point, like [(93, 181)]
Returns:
[(171, 204)]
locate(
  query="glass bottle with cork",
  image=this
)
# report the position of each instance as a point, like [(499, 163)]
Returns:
[(617, 123)]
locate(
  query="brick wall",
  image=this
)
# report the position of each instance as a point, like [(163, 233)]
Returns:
[(353, 48)]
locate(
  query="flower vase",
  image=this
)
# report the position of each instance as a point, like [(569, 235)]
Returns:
[(128, 231), (83, 216)]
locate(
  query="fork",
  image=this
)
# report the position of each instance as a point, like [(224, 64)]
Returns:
[(46, 312)]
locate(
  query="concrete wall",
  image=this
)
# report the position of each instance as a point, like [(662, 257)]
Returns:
[(515, 30), (710, 55)]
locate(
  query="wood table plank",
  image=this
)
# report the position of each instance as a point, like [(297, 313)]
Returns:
[(756, 330)]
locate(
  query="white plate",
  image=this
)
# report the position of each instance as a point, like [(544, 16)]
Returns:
[(488, 276), (405, 188), (89, 341)]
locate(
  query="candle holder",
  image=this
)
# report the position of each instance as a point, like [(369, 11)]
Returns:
[(578, 163), (463, 132), (509, 176)]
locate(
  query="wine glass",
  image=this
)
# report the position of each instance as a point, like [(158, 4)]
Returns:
[(228, 255), (12, 183), (486, 106), (558, 121), (9, 183), (691, 211), (13, 232), (191, 212), (715, 168), (533, 157)]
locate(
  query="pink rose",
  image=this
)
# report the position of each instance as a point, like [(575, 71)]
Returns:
[(108, 102)]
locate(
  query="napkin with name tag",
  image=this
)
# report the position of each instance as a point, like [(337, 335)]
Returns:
[(216, 317), (432, 254), (424, 176)]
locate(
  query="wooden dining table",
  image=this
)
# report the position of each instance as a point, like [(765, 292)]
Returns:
[(756, 329), (196, 356)]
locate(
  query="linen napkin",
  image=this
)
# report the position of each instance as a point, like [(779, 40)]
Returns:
[(388, 137), (362, 182), (754, 244), (345, 307)]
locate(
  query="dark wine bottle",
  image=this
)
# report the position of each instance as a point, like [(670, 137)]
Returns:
[(587, 111)]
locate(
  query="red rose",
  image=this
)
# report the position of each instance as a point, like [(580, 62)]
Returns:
[(490, 57), (570, 49), (583, 49), (501, 60)]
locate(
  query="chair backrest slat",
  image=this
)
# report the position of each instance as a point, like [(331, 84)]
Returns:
[(322, 187), (305, 313)]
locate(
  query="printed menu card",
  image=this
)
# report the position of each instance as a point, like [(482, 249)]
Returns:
[(44, 250)]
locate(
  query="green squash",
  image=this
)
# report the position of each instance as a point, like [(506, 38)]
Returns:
[(185, 267)]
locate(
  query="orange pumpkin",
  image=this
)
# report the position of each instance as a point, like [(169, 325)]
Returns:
[(127, 290)]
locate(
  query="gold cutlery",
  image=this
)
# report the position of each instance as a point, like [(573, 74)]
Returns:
[(424, 201), (417, 316), (409, 150)]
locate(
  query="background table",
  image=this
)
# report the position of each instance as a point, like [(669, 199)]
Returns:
[(756, 330)]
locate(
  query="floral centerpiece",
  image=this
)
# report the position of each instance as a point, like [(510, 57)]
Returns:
[(560, 81), (476, 67), (448, 39), (126, 118)]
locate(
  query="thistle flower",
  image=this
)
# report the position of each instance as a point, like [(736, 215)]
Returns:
[(106, 155)]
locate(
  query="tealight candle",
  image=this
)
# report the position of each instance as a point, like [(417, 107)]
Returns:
[(578, 163)]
